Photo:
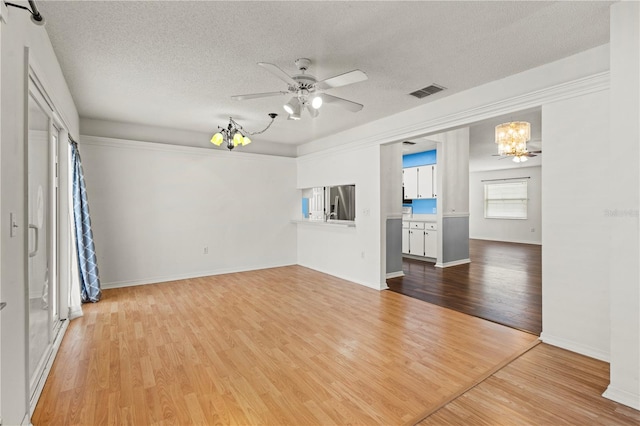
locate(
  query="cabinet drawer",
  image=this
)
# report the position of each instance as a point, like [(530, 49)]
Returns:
[(416, 225), (431, 226)]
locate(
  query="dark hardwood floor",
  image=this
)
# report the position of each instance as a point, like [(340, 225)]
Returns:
[(503, 284)]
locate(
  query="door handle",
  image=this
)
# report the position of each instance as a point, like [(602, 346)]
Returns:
[(2, 305), (35, 250)]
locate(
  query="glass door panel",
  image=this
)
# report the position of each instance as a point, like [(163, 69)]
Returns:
[(40, 240)]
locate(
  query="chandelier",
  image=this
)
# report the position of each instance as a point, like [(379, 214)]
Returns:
[(234, 135), (512, 140)]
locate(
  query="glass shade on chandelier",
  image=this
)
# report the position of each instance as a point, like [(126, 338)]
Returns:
[(231, 135), (234, 135), (231, 141), (512, 139)]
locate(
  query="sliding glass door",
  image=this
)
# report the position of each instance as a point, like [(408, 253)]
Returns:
[(43, 294)]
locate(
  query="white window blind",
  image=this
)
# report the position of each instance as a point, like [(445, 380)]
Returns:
[(505, 200)]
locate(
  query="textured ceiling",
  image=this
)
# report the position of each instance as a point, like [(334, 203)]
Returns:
[(176, 64)]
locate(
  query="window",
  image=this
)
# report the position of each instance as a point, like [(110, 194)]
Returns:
[(505, 200)]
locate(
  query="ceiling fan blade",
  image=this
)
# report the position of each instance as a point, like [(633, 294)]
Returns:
[(530, 155), (275, 70), (348, 105), (350, 77), (257, 95)]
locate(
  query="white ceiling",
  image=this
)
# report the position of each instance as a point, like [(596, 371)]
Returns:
[(176, 64), (482, 147)]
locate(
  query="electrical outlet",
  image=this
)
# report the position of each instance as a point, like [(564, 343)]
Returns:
[(533, 229), (206, 250), (362, 255)]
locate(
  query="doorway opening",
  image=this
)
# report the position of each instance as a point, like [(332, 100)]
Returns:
[(503, 282)]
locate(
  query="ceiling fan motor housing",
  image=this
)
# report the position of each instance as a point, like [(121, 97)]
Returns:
[(303, 64)]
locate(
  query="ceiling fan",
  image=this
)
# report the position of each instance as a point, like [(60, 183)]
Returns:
[(518, 157), (308, 92)]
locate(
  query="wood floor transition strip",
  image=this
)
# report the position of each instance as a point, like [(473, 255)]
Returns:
[(475, 383)]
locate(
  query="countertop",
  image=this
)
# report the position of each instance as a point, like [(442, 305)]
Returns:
[(419, 218)]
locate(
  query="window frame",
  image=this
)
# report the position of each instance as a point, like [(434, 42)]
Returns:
[(506, 200)]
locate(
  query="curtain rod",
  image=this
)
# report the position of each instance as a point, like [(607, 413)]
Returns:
[(491, 180)]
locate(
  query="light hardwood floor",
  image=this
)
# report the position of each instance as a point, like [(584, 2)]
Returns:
[(279, 346), (291, 346), (545, 386)]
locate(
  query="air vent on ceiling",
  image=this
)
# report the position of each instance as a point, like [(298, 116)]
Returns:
[(408, 143), (426, 91)]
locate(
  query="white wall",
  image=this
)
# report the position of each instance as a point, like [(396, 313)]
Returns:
[(350, 253), (156, 207), (517, 231), (19, 32), (623, 191), (575, 239), (452, 178)]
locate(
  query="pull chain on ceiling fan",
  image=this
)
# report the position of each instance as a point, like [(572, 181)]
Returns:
[(308, 92)]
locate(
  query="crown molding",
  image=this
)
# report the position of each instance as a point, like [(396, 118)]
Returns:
[(570, 89), (129, 144)]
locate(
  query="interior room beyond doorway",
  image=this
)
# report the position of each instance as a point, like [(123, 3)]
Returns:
[(508, 293)]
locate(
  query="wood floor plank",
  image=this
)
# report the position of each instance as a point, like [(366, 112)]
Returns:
[(503, 283), (546, 385), (278, 346)]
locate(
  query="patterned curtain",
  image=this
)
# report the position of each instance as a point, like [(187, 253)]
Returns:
[(87, 262)]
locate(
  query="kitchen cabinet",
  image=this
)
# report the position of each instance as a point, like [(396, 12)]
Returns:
[(420, 239), (419, 182), (405, 237), (410, 182), (416, 238), (431, 243)]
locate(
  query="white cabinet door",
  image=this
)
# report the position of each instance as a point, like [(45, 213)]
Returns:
[(425, 182), (410, 181), (405, 240), (416, 242), (431, 244)]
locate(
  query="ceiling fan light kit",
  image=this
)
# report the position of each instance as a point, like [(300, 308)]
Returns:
[(308, 91)]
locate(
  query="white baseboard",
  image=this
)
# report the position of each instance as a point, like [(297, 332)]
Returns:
[(576, 347), (503, 240), (346, 278), (395, 274), (162, 279), (623, 397), (421, 258), (75, 313), (186, 276), (453, 263)]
